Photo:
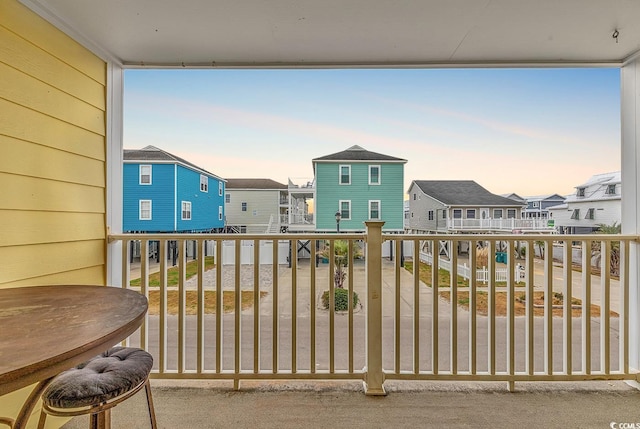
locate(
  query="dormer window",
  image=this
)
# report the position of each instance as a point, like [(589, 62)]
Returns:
[(611, 190), (580, 192)]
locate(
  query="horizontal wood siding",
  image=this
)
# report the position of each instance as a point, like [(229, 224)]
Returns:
[(52, 154), (204, 205), (390, 193), (160, 192), (261, 205)]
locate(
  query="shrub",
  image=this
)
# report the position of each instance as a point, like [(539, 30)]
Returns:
[(341, 297)]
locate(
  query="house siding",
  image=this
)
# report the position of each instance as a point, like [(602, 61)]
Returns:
[(204, 205), (419, 211), (161, 192), (265, 203), (389, 192), (52, 154), (52, 160)]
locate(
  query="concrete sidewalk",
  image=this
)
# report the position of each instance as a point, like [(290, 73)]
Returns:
[(278, 405)]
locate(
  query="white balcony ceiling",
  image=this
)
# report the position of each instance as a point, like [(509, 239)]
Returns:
[(316, 33)]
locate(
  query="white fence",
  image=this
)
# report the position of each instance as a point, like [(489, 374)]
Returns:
[(482, 274)]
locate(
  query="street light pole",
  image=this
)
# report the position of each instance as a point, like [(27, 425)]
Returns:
[(338, 217)]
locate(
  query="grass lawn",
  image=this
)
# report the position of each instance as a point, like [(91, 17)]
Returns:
[(210, 301), (482, 298), (173, 273)]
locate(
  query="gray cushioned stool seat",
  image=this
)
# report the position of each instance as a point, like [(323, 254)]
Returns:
[(99, 384)]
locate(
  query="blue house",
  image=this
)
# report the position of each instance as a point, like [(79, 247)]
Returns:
[(359, 185), (165, 193)]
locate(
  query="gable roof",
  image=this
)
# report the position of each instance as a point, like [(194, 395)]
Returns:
[(254, 184), (357, 153), (462, 193), (153, 154)]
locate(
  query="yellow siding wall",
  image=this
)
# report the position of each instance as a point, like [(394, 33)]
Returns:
[(52, 154)]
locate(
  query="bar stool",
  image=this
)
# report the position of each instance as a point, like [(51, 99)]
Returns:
[(96, 386)]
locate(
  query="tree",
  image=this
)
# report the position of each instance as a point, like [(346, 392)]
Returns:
[(341, 260), (614, 249)]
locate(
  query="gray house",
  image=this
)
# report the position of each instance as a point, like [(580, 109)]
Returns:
[(462, 206), (255, 205)]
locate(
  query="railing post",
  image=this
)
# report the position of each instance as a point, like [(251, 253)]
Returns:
[(374, 376)]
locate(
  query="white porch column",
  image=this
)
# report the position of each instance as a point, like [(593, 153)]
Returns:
[(115, 90), (630, 123)]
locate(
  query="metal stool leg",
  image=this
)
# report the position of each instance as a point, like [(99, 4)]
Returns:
[(152, 413)]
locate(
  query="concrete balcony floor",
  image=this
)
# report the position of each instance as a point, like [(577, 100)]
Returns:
[(201, 405)]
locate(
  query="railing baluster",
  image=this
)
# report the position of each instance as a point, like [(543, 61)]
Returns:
[(275, 316), (294, 308), (416, 307), (529, 312), (548, 308), (332, 306), (237, 314), (624, 306), (434, 304), (256, 306), (453, 289), (219, 308), (350, 279), (586, 306), (511, 314), (396, 313), (201, 303), (567, 309), (312, 309), (491, 299), (473, 310), (162, 308), (182, 331), (605, 306), (144, 288)]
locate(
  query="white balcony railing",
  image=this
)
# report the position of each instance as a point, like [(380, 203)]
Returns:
[(438, 326), (504, 225)]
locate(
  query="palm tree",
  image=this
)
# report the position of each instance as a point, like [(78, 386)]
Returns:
[(341, 260), (615, 228)]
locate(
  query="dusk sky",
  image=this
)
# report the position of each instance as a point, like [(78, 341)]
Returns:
[(528, 131)]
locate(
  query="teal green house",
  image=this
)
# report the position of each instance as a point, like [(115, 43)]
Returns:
[(359, 185)]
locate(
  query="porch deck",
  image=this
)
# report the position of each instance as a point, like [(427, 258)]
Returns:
[(201, 405)]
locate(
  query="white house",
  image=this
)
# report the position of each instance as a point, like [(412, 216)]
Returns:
[(596, 202), (254, 205)]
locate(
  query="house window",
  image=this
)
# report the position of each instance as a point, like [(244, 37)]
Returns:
[(511, 213), (430, 213), (590, 214), (374, 210), (374, 174), (145, 210), (219, 212), (145, 174), (220, 189), (471, 213), (244, 207), (204, 183), (345, 210), (444, 214), (575, 214), (186, 210), (497, 213), (227, 198), (414, 197), (535, 204), (345, 174), (611, 190), (580, 192), (457, 214)]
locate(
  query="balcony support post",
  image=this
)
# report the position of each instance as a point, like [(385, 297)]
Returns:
[(630, 133), (374, 376)]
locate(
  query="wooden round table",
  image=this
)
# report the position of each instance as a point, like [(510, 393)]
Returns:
[(49, 329)]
